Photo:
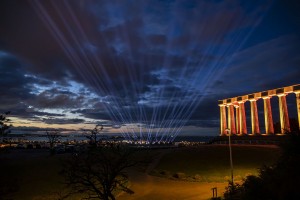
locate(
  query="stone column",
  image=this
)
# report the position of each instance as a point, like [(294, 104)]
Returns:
[(242, 120), (237, 118), (223, 121), (231, 121), (254, 117), (284, 116), (268, 116), (298, 106)]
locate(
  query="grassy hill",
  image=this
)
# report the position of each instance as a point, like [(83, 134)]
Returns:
[(35, 174), (211, 162)]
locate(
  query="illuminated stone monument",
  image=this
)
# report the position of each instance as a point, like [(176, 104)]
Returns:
[(234, 117)]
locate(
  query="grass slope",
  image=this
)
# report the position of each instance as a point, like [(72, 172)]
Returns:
[(37, 173), (211, 162)]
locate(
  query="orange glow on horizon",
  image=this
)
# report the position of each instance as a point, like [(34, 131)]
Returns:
[(20, 122)]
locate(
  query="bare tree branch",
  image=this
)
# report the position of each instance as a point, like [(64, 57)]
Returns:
[(101, 172), (53, 137), (4, 127)]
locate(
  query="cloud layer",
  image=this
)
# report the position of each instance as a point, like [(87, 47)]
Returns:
[(151, 62)]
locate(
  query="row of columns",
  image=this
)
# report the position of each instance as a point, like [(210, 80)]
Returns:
[(236, 116)]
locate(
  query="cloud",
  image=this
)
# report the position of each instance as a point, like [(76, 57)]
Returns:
[(55, 98), (63, 121), (135, 62), (93, 113), (267, 65), (14, 86)]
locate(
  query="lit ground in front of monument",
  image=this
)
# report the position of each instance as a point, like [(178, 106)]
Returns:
[(38, 178), (210, 163)]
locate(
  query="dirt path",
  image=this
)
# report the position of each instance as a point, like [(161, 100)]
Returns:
[(148, 187)]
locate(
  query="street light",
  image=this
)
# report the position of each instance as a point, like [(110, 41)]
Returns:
[(230, 153)]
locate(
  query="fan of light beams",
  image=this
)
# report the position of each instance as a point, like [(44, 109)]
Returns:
[(152, 61)]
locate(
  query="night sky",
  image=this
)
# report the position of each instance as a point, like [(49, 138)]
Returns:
[(152, 66)]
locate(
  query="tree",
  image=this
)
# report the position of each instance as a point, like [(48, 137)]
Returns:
[(100, 172), (4, 127), (94, 135), (233, 191), (53, 137), (278, 181)]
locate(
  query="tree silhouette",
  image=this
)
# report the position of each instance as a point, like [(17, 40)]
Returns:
[(94, 135), (4, 127), (52, 139), (100, 172), (278, 181)]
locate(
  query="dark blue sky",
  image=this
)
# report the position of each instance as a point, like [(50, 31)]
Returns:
[(151, 66)]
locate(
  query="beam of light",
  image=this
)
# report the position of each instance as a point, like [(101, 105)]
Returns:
[(215, 74), (77, 62), (169, 122)]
